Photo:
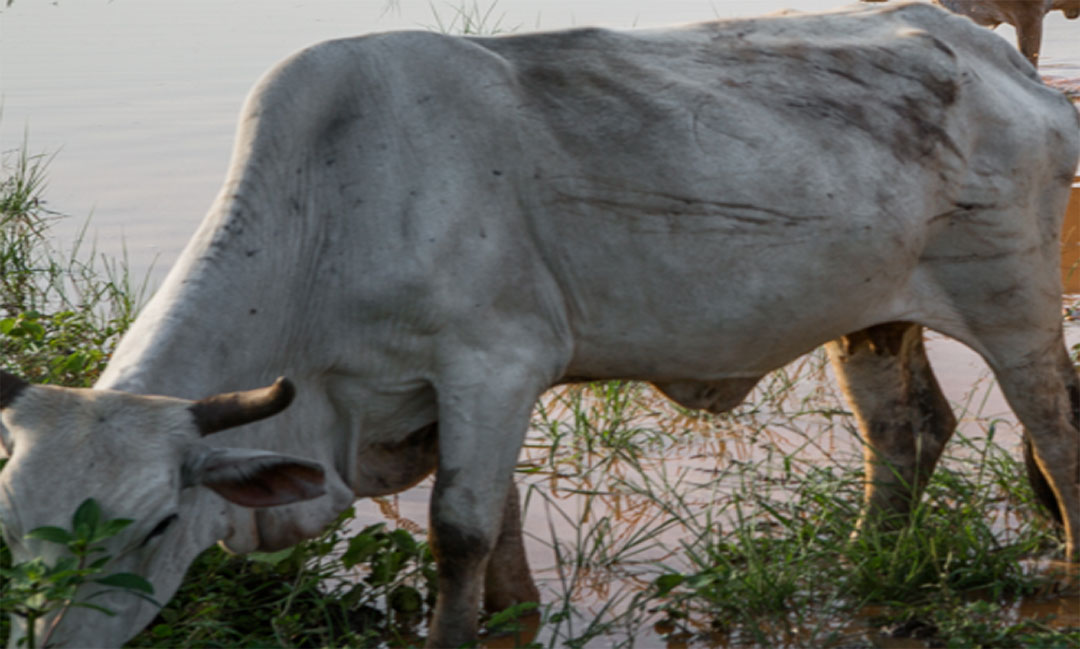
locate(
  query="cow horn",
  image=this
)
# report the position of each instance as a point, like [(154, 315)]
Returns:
[(11, 386), (231, 409)]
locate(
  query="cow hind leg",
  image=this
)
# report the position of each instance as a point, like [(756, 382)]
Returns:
[(901, 412), (1042, 388)]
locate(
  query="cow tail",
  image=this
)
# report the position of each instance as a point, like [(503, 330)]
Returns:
[(1043, 493)]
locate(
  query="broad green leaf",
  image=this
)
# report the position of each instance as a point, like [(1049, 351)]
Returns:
[(64, 564), (404, 540), (98, 564), (361, 547), (87, 516), (162, 631), (372, 529), (405, 599), (51, 534), (95, 607), (127, 580), (111, 528), (665, 583), (272, 558), (510, 615), (75, 362)]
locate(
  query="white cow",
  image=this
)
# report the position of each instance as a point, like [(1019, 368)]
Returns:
[(426, 232)]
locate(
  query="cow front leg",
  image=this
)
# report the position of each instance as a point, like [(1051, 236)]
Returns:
[(1029, 31), (508, 580), (900, 410), (481, 429)]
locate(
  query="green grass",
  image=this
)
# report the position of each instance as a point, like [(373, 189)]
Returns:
[(758, 549), (733, 528), (61, 311), (363, 589)]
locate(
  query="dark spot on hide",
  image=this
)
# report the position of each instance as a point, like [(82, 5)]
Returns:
[(335, 131), (845, 74), (160, 528), (920, 130), (251, 253), (252, 311), (941, 46)]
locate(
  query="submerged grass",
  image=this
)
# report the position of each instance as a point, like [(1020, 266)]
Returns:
[(755, 546), (659, 523)]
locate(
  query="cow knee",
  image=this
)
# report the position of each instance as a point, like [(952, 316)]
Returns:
[(458, 546)]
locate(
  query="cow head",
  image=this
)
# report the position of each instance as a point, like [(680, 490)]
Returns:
[(143, 458)]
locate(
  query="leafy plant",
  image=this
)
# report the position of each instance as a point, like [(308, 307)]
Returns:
[(370, 587), (35, 589)]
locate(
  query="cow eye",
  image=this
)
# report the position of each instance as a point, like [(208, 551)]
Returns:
[(160, 528)]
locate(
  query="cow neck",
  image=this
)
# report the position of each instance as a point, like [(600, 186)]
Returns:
[(220, 321)]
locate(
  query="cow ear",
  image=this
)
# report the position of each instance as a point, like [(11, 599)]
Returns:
[(11, 386), (253, 478)]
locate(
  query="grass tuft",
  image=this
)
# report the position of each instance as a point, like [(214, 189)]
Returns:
[(61, 312)]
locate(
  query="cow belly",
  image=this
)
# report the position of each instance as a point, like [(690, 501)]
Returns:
[(716, 396), (710, 308)]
